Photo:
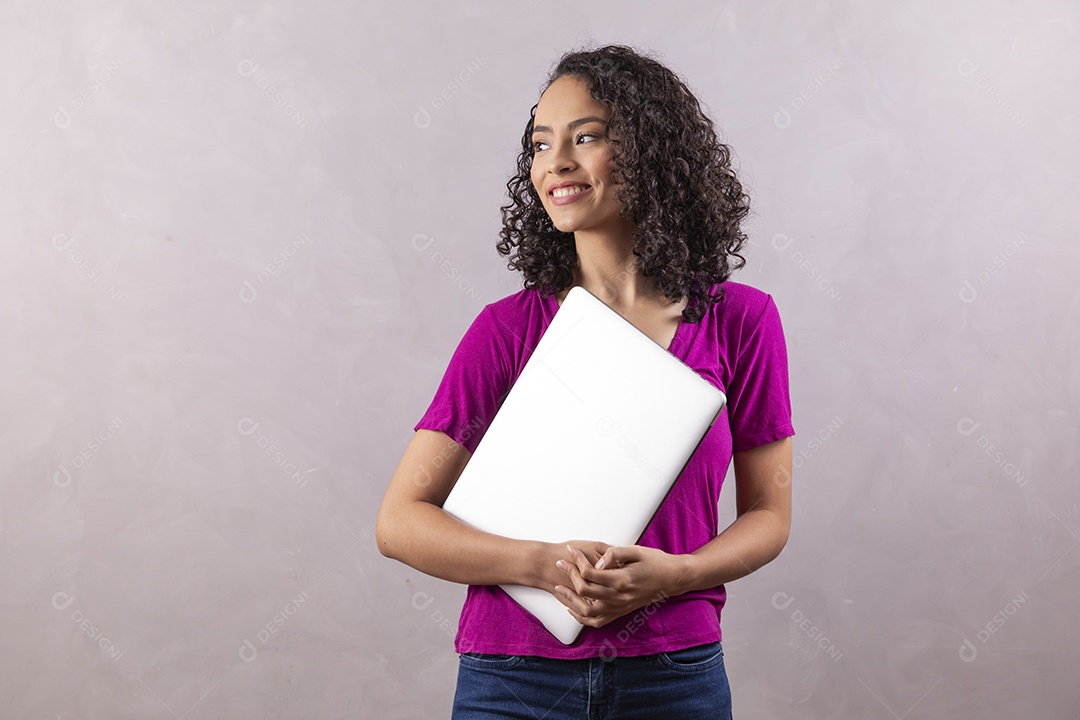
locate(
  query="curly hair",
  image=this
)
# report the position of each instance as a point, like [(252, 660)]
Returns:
[(673, 178)]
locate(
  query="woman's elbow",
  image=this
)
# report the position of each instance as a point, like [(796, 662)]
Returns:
[(782, 533), (384, 534)]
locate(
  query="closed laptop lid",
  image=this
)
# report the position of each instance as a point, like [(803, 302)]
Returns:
[(587, 443)]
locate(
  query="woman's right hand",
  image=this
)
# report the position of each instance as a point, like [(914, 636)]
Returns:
[(549, 573)]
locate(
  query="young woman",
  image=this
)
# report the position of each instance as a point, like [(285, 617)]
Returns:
[(623, 188)]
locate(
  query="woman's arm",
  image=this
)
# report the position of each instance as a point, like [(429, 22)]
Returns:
[(413, 528), (762, 525), (633, 576)]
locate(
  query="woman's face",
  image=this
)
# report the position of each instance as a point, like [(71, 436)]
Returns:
[(572, 158)]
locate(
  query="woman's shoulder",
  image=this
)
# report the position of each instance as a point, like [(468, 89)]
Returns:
[(740, 300), (522, 302), (521, 309)]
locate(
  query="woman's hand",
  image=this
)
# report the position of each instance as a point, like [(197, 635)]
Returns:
[(629, 577), (549, 575)]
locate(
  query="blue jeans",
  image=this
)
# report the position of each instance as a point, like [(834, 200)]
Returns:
[(688, 683)]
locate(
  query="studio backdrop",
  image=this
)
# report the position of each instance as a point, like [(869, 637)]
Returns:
[(240, 242)]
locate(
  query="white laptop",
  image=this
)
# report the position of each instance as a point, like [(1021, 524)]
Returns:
[(587, 443)]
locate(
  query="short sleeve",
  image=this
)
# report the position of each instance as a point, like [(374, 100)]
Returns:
[(759, 399), (472, 388)]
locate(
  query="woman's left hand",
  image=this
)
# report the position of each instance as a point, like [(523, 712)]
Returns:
[(629, 577)]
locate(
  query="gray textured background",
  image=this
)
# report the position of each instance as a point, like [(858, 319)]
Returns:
[(240, 244)]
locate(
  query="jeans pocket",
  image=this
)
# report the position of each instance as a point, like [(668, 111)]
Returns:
[(490, 660), (699, 657)]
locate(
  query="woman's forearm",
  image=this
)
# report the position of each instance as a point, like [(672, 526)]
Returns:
[(425, 537), (754, 539)]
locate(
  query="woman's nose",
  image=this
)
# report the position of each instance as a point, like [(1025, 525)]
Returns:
[(561, 159)]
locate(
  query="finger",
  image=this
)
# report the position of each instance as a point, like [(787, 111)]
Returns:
[(616, 557), (598, 550), (583, 547), (599, 583), (580, 560), (580, 556), (574, 602), (587, 588), (574, 578), (591, 551), (591, 620), (586, 567), (593, 615), (587, 611)]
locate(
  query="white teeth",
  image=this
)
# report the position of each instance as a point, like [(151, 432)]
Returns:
[(567, 191)]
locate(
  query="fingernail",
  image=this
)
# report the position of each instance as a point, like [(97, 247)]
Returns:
[(600, 565), (561, 565)]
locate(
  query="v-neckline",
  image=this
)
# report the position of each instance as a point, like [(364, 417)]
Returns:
[(553, 305)]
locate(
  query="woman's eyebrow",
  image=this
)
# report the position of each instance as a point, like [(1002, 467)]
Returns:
[(570, 125)]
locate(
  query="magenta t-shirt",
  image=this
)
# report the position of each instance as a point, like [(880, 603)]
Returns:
[(739, 347)]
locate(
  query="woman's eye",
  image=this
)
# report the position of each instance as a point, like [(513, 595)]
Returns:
[(536, 146)]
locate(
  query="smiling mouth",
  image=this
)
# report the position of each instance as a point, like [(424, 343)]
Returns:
[(564, 192)]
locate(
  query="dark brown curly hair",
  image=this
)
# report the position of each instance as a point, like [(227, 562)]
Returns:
[(673, 178)]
